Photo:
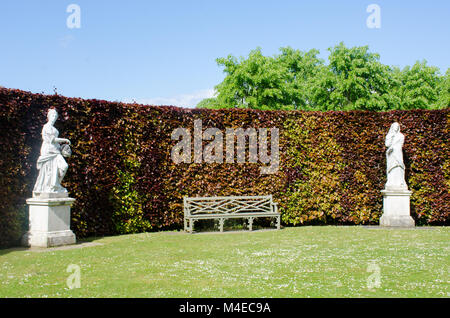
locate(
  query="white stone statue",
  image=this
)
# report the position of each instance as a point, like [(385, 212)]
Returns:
[(396, 196), (49, 208), (51, 164), (395, 169)]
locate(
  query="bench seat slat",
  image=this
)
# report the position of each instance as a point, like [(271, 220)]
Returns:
[(231, 197), (218, 216)]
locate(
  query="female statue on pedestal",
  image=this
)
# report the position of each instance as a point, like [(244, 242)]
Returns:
[(51, 164), (394, 158)]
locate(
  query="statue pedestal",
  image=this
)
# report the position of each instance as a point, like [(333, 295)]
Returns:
[(49, 218), (396, 211)]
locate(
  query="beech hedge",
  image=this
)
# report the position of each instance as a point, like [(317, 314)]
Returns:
[(332, 164)]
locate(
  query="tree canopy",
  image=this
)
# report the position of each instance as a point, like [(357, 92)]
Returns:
[(353, 79)]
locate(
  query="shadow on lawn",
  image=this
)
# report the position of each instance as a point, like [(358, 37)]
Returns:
[(81, 243)]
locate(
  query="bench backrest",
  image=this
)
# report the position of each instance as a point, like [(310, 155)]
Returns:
[(227, 205)]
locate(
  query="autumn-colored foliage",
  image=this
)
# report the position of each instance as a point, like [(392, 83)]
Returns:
[(332, 164)]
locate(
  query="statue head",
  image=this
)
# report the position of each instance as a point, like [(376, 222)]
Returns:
[(395, 128), (52, 115)]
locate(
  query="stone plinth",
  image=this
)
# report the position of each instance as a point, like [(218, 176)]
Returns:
[(49, 219), (396, 208)]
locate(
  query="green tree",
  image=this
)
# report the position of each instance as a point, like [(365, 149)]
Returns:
[(211, 103), (418, 87), (444, 91), (279, 82), (354, 79), (302, 71), (250, 83)]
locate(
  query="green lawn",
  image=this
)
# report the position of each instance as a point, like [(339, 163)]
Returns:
[(311, 261)]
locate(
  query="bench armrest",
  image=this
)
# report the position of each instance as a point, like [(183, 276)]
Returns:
[(275, 205)]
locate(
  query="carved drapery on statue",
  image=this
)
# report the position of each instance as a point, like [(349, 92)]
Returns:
[(51, 164), (395, 168)]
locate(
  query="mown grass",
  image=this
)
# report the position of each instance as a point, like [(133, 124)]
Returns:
[(310, 261)]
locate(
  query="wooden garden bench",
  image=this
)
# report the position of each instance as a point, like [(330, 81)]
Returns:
[(221, 208)]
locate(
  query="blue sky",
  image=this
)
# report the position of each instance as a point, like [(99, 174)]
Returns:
[(163, 52)]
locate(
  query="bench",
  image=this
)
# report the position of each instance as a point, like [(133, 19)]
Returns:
[(221, 208)]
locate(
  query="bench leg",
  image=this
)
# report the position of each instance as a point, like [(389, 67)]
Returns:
[(250, 224), (191, 225), (221, 221), (185, 225), (278, 222)]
